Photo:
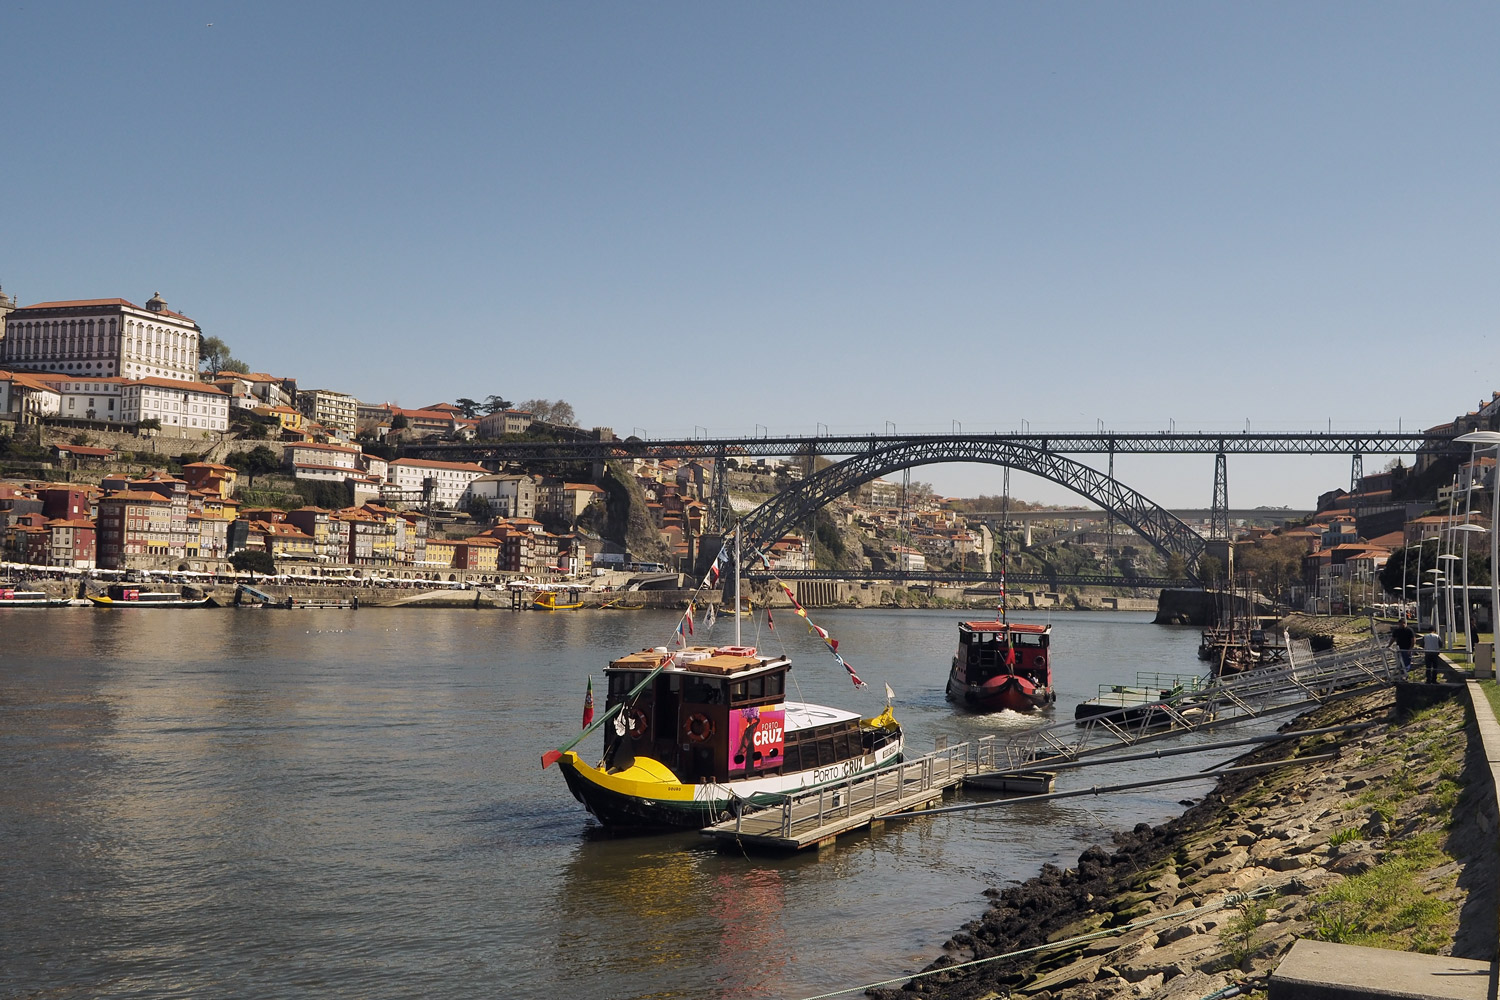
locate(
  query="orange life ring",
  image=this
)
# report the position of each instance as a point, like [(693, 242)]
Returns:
[(635, 723), (698, 727), (735, 651)]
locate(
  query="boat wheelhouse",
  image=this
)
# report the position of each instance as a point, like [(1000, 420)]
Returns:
[(711, 731), (1002, 665)]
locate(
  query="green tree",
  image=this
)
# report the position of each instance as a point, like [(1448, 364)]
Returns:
[(468, 407), (255, 462), (149, 424), (214, 357), (494, 404), (399, 422), (550, 411), (253, 561)]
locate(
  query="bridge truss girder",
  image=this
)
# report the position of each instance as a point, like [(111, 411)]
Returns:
[(1165, 532)]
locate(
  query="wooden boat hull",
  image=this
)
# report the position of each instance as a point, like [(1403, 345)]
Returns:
[(109, 602), (647, 797), (1013, 692)]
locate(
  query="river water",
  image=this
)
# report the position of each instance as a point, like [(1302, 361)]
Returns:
[(248, 803)]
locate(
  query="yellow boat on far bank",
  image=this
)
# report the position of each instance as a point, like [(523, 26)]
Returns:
[(546, 600)]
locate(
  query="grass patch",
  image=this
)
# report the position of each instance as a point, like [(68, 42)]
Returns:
[(1238, 935), (1491, 691), (1388, 906), (1343, 835)]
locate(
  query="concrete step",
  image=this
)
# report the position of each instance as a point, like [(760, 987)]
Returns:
[(1318, 970)]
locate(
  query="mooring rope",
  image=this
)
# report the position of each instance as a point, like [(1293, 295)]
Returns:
[(1232, 899)]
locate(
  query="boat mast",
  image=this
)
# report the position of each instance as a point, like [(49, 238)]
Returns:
[(736, 584)]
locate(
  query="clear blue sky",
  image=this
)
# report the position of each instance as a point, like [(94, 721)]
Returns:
[(717, 216)]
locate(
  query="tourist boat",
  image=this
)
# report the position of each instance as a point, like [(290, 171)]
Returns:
[(126, 595), (11, 598), (701, 732), (1002, 665), (546, 600)]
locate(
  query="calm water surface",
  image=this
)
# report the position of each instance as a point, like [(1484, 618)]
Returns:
[(276, 804)]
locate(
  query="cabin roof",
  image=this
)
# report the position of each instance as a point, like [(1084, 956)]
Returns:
[(995, 626), (800, 715), (699, 660)]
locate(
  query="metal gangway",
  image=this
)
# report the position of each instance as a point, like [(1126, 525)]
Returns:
[(816, 816), (1298, 681)]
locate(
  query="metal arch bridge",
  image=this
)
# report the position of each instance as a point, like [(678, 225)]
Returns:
[(587, 447), (1164, 530), (875, 455)]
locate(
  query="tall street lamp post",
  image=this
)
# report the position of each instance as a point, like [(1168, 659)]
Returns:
[(1490, 439)]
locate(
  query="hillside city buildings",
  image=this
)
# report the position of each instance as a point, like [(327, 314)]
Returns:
[(106, 377)]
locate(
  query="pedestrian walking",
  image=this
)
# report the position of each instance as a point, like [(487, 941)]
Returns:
[(1432, 645), (1404, 639)]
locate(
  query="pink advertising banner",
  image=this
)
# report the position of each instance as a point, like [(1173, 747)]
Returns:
[(757, 738)]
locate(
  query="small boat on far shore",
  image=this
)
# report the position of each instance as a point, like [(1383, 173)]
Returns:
[(1002, 665), (124, 595), (546, 600), (11, 598)]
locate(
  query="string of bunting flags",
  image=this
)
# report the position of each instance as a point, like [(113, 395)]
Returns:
[(833, 644)]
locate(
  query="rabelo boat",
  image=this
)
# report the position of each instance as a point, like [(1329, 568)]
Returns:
[(698, 733), (1002, 665)]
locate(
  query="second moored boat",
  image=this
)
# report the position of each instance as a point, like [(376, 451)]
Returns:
[(1002, 665)]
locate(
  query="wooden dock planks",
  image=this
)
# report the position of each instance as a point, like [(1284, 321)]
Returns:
[(816, 818)]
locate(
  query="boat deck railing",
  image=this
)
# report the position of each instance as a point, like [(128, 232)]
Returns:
[(821, 813)]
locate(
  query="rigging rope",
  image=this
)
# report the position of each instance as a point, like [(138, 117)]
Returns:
[(1232, 899)]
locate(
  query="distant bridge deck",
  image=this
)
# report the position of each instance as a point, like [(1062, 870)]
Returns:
[(1101, 443), (977, 579)]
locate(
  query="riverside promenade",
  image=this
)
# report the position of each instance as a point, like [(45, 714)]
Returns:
[(1269, 881)]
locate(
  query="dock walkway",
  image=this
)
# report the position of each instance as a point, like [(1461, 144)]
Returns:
[(816, 817)]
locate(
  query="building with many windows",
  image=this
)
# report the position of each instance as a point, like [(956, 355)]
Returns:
[(418, 480), (102, 337), (190, 406), (336, 411)]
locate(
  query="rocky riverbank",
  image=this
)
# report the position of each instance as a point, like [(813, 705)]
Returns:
[(1390, 845)]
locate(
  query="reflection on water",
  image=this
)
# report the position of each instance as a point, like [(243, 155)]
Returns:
[(273, 804)]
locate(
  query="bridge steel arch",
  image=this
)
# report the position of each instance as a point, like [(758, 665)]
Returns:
[(1166, 532)]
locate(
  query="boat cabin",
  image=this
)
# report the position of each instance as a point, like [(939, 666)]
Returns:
[(719, 714), (982, 648)]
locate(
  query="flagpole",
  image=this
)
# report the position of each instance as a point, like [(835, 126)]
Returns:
[(737, 584), (552, 756)]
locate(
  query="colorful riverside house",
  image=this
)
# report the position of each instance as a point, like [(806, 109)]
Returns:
[(211, 477), (478, 555), (135, 524), (441, 553)]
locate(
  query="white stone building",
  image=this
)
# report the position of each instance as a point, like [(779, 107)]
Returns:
[(449, 480), (102, 337), (190, 406), (508, 494), (87, 398)]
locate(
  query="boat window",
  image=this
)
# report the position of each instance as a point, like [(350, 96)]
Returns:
[(737, 692), (826, 752), (702, 693), (757, 687), (621, 683), (776, 684)]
